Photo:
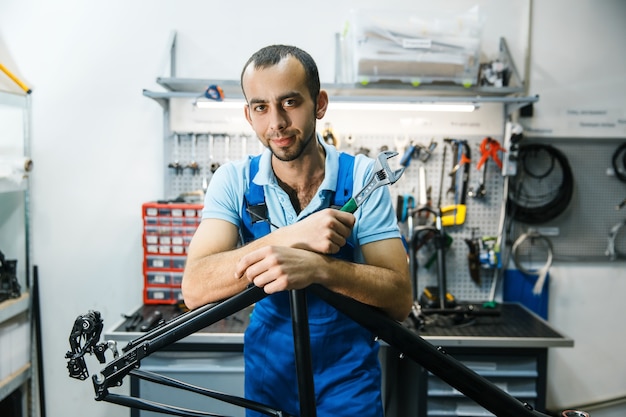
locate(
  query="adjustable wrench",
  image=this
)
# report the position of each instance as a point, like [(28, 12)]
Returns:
[(382, 175)]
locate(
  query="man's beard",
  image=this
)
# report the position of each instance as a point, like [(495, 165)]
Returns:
[(291, 154)]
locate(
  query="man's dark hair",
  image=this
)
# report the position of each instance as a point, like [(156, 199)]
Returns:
[(273, 54)]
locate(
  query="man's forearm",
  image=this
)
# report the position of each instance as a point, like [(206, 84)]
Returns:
[(377, 286), (211, 277)]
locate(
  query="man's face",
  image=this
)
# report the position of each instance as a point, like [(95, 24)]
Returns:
[(280, 108)]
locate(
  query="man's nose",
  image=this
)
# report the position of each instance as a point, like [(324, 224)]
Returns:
[(278, 119)]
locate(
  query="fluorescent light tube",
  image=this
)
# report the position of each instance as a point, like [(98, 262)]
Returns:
[(429, 107), (216, 105), (343, 105)]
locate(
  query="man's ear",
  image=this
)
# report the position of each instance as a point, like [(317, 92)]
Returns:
[(246, 112), (322, 104)]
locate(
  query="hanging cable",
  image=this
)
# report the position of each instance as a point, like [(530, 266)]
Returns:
[(543, 187), (619, 164), (530, 250), (611, 251)]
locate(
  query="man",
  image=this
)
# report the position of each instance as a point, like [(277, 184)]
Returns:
[(289, 191)]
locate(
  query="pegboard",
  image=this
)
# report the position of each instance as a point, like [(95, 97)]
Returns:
[(208, 150), (581, 232), (482, 216)]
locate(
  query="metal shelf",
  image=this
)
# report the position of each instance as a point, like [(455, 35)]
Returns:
[(14, 381), (232, 88), (13, 99), (18, 308), (13, 307), (176, 87), (9, 309), (189, 88), (9, 187)]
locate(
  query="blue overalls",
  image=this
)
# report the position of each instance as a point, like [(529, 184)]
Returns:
[(346, 370)]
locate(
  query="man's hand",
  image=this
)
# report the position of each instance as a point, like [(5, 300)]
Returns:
[(293, 261), (279, 268), (323, 232)]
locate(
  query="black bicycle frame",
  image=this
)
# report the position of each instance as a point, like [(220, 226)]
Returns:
[(406, 341)]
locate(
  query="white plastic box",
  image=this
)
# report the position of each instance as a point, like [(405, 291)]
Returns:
[(414, 47)]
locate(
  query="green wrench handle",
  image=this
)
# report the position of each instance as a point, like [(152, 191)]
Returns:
[(350, 206)]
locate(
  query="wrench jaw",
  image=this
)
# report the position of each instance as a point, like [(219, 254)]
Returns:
[(383, 175), (383, 167), (381, 160), (397, 174)]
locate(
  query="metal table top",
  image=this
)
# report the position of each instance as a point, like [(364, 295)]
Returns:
[(515, 327)]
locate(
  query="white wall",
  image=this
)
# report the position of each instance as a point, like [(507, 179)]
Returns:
[(97, 146), (577, 64)]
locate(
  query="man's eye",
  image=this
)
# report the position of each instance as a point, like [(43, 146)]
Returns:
[(259, 108), (289, 102)]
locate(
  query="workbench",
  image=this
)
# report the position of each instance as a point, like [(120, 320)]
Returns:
[(509, 349)]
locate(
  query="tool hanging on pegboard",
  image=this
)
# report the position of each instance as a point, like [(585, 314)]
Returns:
[(473, 258), (175, 164), (513, 135), (483, 254), (213, 164), (193, 165), (489, 149), (417, 151), (408, 211), (329, 136), (454, 214)]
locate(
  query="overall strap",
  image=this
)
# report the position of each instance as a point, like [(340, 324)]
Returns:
[(254, 213), (278, 305), (345, 180)]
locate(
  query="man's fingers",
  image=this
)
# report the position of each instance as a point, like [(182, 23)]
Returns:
[(247, 261)]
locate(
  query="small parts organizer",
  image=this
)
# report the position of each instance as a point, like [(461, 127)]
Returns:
[(167, 231)]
